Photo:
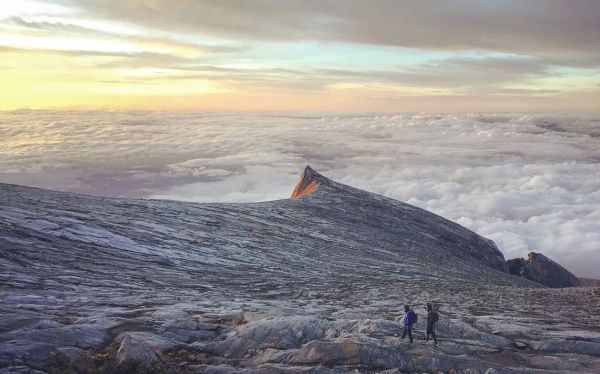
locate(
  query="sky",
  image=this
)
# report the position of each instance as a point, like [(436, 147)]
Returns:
[(276, 55), (528, 182)]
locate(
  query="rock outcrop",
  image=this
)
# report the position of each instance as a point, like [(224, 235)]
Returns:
[(542, 270)]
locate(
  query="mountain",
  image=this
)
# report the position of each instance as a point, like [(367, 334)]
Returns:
[(312, 283)]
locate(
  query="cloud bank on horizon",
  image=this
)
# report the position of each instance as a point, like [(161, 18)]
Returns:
[(340, 55), (527, 182)]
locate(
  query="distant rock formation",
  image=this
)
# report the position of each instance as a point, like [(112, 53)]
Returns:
[(589, 282), (543, 270)]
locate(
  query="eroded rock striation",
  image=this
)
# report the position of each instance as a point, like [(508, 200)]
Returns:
[(311, 284), (543, 270)]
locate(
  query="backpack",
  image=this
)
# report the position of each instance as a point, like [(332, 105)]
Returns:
[(436, 316), (415, 318)]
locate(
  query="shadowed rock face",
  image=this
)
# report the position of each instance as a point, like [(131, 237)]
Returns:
[(122, 285), (541, 269)]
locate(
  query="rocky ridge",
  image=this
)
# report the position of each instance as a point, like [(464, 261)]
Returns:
[(310, 284)]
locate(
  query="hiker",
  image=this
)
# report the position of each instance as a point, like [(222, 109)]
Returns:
[(432, 318), (409, 319)]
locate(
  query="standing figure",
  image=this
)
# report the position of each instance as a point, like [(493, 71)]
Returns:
[(409, 319), (432, 318)]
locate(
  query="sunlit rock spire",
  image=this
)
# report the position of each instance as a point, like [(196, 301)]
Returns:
[(309, 182)]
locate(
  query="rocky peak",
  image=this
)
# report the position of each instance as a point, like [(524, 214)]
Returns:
[(543, 270), (308, 183)]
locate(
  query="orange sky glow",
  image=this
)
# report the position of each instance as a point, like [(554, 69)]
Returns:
[(238, 57)]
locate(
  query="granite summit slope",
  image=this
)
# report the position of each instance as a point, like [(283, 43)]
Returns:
[(102, 284)]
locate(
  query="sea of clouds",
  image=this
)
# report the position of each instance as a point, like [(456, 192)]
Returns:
[(529, 182)]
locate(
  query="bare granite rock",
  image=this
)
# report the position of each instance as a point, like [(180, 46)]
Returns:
[(140, 347), (312, 284)]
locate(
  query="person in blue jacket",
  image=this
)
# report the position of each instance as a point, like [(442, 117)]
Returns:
[(409, 317)]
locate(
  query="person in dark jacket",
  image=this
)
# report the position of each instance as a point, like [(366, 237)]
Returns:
[(432, 318), (408, 322)]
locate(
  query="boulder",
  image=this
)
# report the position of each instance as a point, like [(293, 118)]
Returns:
[(187, 330), (81, 335), (567, 346), (458, 329), (34, 354), (520, 345), (374, 327), (139, 348), (279, 333), (340, 352), (71, 353)]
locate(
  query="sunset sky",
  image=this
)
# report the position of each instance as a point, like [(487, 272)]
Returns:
[(474, 56)]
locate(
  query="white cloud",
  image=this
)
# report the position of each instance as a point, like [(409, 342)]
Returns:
[(527, 182)]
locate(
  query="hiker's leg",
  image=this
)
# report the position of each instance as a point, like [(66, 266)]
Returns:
[(404, 333), (434, 336), (409, 328)]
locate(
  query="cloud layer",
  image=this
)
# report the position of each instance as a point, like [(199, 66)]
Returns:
[(527, 182)]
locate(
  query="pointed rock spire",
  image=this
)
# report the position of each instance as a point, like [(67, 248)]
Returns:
[(309, 181)]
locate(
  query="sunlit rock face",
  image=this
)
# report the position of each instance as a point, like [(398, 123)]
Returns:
[(308, 182), (308, 284), (543, 270)]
